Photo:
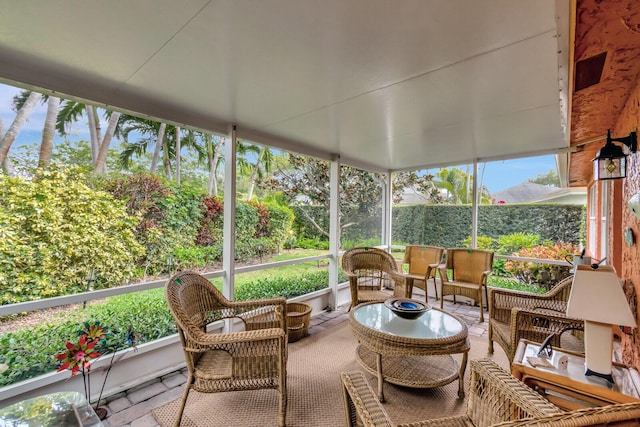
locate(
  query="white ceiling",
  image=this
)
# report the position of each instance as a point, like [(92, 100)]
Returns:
[(386, 84)]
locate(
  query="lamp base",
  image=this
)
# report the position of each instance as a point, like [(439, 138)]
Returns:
[(607, 377), (598, 347)]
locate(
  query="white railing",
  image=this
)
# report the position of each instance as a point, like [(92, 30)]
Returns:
[(134, 366), (24, 307), (153, 359)]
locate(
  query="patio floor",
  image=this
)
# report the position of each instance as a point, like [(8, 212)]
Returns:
[(133, 407)]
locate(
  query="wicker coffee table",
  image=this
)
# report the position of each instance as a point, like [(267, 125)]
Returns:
[(411, 353)]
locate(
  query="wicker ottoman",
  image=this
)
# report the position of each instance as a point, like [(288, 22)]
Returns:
[(298, 317)]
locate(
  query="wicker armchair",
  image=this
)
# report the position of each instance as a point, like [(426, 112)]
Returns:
[(495, 399), (253, 357), (494, 396), (514, 315), (470, 268), (423, 263), (370, 270)]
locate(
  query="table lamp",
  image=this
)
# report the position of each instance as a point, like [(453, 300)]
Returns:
[(597, 297)]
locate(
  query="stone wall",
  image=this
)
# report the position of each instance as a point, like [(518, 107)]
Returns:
[(628, 121)]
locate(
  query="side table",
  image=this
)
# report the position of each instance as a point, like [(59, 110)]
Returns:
[(570, 388)]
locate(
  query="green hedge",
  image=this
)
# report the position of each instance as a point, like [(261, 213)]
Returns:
[(286, 286), (30, 352), (59, 226), (450, 225), (54, 229)]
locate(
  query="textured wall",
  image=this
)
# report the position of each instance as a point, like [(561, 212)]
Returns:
[(628, 121)]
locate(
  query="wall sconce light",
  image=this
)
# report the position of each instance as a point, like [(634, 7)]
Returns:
[(611, 162)]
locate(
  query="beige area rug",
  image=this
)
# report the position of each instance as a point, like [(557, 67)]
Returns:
[(315, 391)]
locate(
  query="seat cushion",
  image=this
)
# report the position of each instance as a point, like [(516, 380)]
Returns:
[(368, 295)]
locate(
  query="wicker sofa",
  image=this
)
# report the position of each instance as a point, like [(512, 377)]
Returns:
[(496, 398)]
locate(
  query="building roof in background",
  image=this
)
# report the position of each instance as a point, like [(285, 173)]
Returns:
[(523, 193), (530, 192), (568, 195), (411, 196)]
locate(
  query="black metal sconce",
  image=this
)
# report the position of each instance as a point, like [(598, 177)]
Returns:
[(611, 162)]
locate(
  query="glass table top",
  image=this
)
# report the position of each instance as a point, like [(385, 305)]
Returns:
[(433, 324), (62, 409)]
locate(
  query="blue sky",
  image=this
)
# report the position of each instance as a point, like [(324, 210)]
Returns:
[(31, 132), (497, 175)]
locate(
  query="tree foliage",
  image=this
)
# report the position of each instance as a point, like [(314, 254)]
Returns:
[(305, 181), (168, 217), (549, 178), (459, 187), (54, 230)]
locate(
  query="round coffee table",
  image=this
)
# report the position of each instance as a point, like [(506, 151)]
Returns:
[(415, 353)]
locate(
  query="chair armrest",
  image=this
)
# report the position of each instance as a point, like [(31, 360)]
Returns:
[(516, 298), (261, 314), (431, 271), (623, 414), (400, 288), (204, 339), (260, 302), (536, 325), (496, 396), (442, 270), (485, 274), (362, 405), (501, 301)]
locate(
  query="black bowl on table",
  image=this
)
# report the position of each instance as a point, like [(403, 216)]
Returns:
[(407, 308)]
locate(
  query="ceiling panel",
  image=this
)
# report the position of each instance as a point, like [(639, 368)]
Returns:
[(393, 85)]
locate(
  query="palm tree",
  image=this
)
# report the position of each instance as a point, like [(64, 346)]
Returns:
[(151, 133), (49, 128), (167, 141), (214, 145), (71, 111), (264, 163), (178, 149), (245, 152), (158, 147), (457, 184), (19, 120), (48, 131), (101, 159), (454, 182), (7, 165)]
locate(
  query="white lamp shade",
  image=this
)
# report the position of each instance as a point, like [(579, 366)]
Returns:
[(597, 296)]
